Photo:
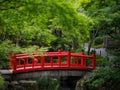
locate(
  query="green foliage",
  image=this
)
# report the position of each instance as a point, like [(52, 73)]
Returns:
[(32, 22), (1, 83), (102, 61), (34, 50), (114, 52), (48, 83), (102, 76), (6, 48), (106, 15), (98, 40), (60, 43), (105, 72)]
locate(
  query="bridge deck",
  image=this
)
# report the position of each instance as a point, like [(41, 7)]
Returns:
[(48, 67)]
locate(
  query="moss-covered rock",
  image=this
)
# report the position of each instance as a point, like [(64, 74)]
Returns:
[(29, 85)]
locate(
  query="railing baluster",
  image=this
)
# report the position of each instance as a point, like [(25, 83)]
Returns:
[(51, 61), (42, 61), (14, 64), (25, 63), (18, 61), (83, 61), (33, 62), (59, 58), (93, 60), (68, 59)]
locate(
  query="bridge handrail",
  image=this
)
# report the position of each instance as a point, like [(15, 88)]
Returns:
[(79, 61)]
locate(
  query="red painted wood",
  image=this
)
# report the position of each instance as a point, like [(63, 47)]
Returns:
[(22, 63), (93, 61), (68, 59)]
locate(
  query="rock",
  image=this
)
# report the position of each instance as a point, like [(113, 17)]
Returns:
[(29, 85), (80, 85), (18, 87), (21, 85), (7, 83), (14, 83)]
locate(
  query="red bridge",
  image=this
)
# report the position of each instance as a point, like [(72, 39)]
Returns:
[(51, 61)]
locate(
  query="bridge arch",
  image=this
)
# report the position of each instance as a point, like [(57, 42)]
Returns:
[(59, 60)]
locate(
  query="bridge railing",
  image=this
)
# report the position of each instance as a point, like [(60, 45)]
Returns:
[(51, 61)]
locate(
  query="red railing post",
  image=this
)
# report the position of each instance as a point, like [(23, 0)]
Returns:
[(25, 62), (51, 61), (93, 60), (11, 61), (68, 58), (33, 62), (19, 62), (14, 64), (59, 57), (83, 61), (42, 61)]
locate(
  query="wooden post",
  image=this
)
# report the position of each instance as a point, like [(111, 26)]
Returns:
[(93, 60), (59, 57), (33, 62), (25, 62), (19, 61), (14, 64), (51, 61), (68, 59), (42, 61), (83, 61)]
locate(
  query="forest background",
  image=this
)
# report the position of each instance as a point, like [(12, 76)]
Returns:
[(48, 25)]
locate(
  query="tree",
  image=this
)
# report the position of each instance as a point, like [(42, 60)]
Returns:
[(33, 22), (105, 15)]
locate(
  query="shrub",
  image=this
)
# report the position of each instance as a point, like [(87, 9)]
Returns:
[(1, 83), (7, 47), (105, 75), (98, 41), (48, 83)]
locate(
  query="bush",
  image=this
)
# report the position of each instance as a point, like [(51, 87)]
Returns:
[(48, 83), (106, 75), (101, 61), (98, 40), (7, 47), (34, 49), (1, 83)]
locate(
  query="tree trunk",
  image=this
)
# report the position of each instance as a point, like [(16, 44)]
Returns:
[(93, 35), (89, 45)]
